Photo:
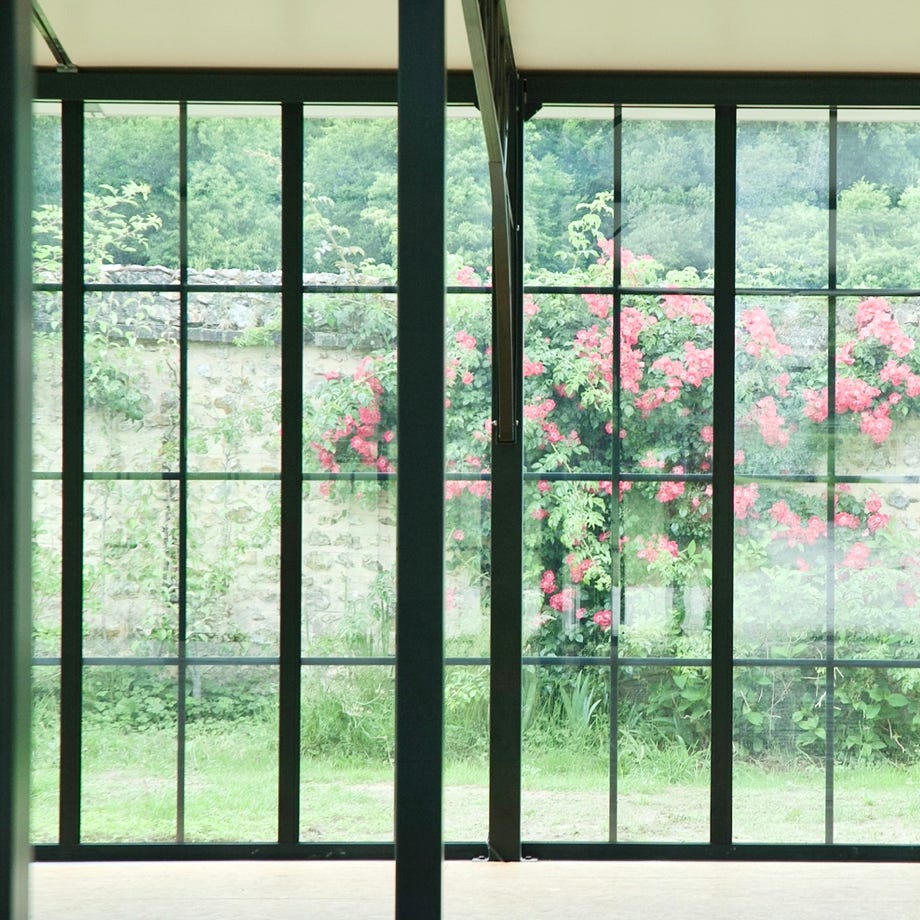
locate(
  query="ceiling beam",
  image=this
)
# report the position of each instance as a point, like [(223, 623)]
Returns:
[(46, 30)]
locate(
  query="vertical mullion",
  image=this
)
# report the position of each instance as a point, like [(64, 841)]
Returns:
[(15, 487), (618, 586), (830, 592), (72, 464), (291, 470), (506, 556), (723, 477), (421, 98), (182, 561)]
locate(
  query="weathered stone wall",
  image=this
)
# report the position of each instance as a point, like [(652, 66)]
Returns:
[(131, 527)]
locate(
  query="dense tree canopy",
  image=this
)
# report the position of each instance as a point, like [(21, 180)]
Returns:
[(667, 191)]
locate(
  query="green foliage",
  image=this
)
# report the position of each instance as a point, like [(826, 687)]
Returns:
[(137, 699), (348, 714), (125, 150), (370, 620), (352, 164), (234, 193), (466, 712)]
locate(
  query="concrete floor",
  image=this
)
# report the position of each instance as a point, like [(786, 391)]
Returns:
[(477, 891)]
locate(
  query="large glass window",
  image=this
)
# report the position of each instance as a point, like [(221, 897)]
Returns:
[(825, 640), (216, 457), (618, 373), (47, 251)]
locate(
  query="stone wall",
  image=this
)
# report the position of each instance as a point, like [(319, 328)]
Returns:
[(131, 526)]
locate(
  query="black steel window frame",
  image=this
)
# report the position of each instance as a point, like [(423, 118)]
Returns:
[(292, 90), (616, 91)]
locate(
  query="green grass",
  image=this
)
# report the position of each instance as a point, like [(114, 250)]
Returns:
[(129, 781)]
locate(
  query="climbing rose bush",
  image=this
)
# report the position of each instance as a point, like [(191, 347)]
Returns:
[(650, 417)]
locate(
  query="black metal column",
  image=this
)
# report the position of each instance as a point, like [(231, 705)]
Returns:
[(15, 453), (182, 562), (723, 520), (830, 639), (618, 586), (420, 477)]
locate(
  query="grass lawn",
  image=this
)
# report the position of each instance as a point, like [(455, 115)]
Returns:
[(129, 794)]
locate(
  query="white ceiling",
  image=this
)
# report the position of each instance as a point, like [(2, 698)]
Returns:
[(743, 35)]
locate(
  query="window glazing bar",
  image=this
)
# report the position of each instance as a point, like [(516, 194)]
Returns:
[(725, 89), (316, 86), (618, 581), (831, 482), (182, 567)]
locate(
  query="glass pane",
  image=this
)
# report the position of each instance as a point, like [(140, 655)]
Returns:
[(666, 373), (350, 383), (666, 360), (131, 195), (129, 755), (46, 754), (668, 193), (877, 391), (349, 198), (778, 784), (570, 568), (466, 753), (46, 193), (47, 410), (782, 182), (666, 566), (468, 199), (877, 573), (780, 382), (231, 774), (876, 773), (569, 163), (131, 354), (467, 566), (568, 383), (878, 179), (233, 552), (234, 192), (130, 565), (468, 382), (781, 569), (349, 563), (234, 390), (347, 748), (566, 754), (468, 489), (46, 568), (663, 754)]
